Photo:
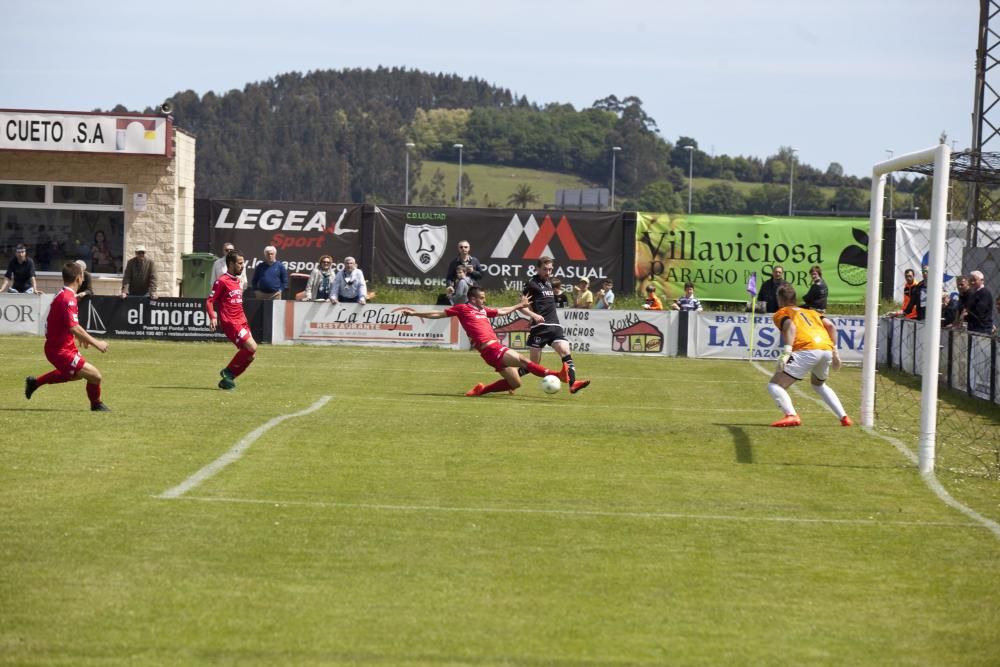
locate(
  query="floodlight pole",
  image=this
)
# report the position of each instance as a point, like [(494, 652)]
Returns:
[(459, 147), (409, 145), (614, 154), (690, 150), (791, 178)]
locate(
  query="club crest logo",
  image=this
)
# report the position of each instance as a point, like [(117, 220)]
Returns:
[(425, 245)]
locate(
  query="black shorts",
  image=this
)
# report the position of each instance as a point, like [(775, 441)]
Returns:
[(544, 334)]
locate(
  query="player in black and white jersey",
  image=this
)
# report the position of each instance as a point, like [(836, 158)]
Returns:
[(549, 331)]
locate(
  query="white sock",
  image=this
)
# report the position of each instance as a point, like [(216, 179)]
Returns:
[(829, 397), (781, 398)]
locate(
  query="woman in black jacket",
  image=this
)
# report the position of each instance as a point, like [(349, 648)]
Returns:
[(815, 298)]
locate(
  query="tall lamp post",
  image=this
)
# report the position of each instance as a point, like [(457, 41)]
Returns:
[(459, 147), (889, 152), (614, 155), (791, 178), (409, 145), (690, 150)]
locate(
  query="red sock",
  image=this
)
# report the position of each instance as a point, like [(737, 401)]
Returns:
[(94, 392), (52, 377), (241, 361), (499, 385), (539, 370)]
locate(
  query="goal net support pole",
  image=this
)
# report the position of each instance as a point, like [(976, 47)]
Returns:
[(941, 156)]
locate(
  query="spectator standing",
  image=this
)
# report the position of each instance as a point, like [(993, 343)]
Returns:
[(605, 297), (225, 304), (918, 300), (270, 277), (582, 296), (949, 309), (85, 289), (459, 291), (102, 259), (20, 276), (980, 305), (689, 302), (768, 295), (349, 284), (815, 298), (319, 287), (909, 284), (473, 268), (559, 294), (139, 278), (652, 301), (219, 266), (962, 285), (62, 332)]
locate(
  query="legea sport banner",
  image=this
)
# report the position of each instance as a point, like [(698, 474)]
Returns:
[(718, 254), (413, 246), (301, 231)]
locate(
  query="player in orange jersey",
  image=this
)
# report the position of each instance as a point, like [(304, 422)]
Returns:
[(807, 337)]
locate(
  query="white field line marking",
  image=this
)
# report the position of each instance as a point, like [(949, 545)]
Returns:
[(929, 479), (570, 512), (236, 451)]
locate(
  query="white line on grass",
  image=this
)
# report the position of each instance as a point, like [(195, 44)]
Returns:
[(236, 451), (929, 479), (571, 512)]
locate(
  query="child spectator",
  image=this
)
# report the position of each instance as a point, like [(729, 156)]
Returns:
[(605, 297), (562, 300), (652, 301), (687, 302), (458, 292), (582, 296)]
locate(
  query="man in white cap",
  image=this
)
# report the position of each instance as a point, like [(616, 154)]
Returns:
[(139, 278), (219, 267)]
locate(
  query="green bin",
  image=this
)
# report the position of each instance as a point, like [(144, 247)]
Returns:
[(197, 279)]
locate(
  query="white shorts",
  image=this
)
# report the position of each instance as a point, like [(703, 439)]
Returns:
[(804, 362)]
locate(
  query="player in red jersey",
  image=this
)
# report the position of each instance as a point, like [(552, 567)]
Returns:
[(474, 317), (62, 331), (226, 298)]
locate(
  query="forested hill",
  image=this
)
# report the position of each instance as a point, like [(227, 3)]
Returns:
[(340, 135)]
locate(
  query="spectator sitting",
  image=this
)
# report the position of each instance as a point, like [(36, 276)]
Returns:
[(688, 302), (458, 292), (949, 309), (320, 284), (582, 296), (20, 276), (815, 298), (349, 285), (219, 266), (85, 289), (652, 301), (562, 299)]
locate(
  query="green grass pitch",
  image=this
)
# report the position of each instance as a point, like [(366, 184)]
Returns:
[(652, 519)]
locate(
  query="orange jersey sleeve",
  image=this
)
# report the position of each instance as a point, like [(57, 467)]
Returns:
[(810, 334)]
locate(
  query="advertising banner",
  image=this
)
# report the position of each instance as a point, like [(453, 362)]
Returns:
[(595, 331), (728, 336), (168, 318), (130, 134), (718, 253), (414, 246), (24, 313), (301, 231)]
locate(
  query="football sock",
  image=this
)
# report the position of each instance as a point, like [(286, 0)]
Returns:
[(539, 370), (568, 360), (830, 397), (499, 385), (94, 392), (241, 360), (781, 398), (52, 377)]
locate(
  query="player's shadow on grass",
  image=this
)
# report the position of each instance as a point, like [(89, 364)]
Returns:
[(186, 387), (40, 410), (741, 443)]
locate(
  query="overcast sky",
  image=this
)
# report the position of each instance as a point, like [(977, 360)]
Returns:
[(840, 81)]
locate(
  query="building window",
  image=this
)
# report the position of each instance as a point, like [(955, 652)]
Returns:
[(61, 222)]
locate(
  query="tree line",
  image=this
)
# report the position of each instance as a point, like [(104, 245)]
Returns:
[(341, 135)]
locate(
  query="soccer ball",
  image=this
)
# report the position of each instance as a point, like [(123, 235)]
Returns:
[(551, 384)]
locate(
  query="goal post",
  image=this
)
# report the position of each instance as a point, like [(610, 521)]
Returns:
[(940, 155)]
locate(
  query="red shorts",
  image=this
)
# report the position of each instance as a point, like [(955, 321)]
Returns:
[(237, 332), (67, 361), (493, 356)]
